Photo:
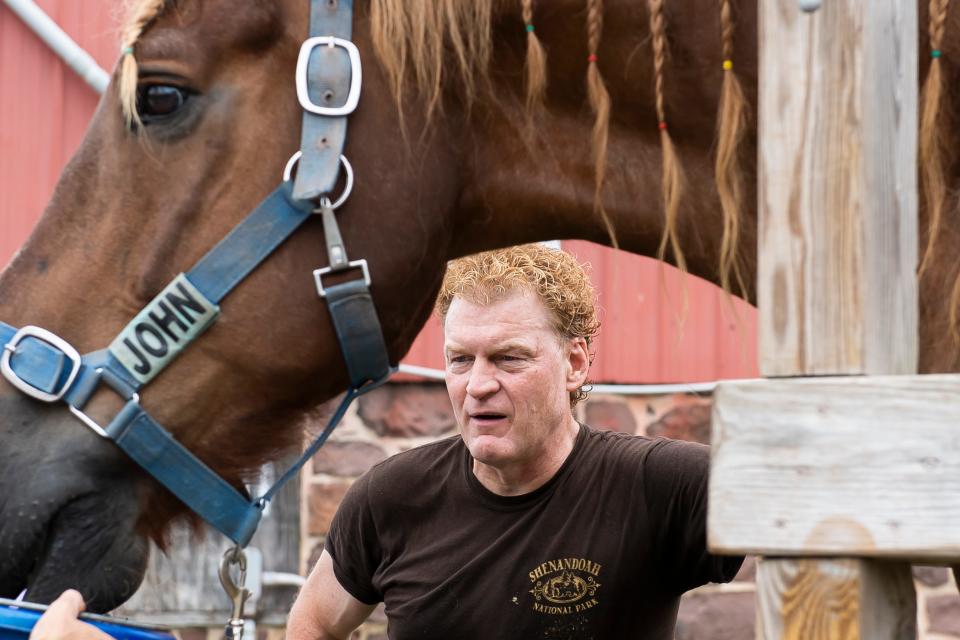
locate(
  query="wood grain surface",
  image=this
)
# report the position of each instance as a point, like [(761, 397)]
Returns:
[(851, 465), (844, 599), (837, 188)]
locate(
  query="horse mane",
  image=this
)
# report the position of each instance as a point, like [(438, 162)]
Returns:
[(936, 151), (424, 44)]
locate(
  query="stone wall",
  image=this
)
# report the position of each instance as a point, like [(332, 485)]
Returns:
[(404, 415)]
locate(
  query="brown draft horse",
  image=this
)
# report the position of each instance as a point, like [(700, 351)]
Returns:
[(452, 156)]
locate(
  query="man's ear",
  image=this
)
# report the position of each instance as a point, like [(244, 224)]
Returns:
[(578, 363)]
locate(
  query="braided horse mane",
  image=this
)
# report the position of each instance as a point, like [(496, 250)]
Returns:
[(424, 42)]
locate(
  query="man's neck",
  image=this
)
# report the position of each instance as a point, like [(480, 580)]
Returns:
[(529, 475)]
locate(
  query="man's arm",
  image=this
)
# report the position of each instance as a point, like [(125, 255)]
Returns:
[(324, 610)]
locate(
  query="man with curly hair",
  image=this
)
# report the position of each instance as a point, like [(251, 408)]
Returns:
[(527, 524)]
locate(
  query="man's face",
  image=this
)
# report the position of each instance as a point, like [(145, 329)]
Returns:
[(509, 376)]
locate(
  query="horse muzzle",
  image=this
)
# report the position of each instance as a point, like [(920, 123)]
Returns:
[(68, 517)]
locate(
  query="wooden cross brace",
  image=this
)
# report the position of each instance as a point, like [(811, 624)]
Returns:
[(842, 466)]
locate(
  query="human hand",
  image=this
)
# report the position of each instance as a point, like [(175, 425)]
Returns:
[(60, 621)]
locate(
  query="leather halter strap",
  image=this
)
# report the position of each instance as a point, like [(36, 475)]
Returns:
[(47, 368), (329, 80)]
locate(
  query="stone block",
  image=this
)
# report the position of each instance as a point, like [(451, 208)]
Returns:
[(748, 570), (931, 576), (322, 504), (379, 615), (408, 410), (944, 614), (349, 459), (610, 415), (716, 616), (686, 421)]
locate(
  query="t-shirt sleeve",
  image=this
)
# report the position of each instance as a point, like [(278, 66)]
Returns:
[(354, 545), (675, 480)]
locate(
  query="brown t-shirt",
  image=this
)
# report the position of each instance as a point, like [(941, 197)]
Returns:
[(602, 550)]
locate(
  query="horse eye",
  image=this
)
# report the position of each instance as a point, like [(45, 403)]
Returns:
[(158, 101)]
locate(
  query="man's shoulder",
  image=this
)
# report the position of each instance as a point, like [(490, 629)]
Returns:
[(616, 441), (426, 463), (632, 450)]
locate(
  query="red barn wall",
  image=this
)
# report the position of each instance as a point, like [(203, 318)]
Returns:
[(45, 109)]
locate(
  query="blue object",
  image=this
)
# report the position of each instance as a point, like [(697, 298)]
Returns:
[(16, 622)]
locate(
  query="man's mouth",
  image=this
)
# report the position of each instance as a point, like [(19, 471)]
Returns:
[(487, 417)]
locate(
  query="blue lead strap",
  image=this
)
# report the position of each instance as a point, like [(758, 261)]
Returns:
[(182, 473)]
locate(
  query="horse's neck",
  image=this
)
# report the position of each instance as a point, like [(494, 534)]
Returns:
[(534, 179)]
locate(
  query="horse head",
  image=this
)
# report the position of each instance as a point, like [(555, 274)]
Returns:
[(142, 200)]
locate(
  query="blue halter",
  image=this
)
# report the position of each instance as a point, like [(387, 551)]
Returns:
[(47, 368)]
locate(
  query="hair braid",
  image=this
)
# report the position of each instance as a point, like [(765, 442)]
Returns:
[(600, 103), (673, 179), (731, 125), (144, 13), (935, 152), (536, 63)]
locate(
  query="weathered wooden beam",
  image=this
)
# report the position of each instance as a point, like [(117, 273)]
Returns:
[(837, 188), (836, 599), (837, 252), (851, 465)]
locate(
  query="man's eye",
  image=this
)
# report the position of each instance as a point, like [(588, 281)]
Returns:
[(158, 101)]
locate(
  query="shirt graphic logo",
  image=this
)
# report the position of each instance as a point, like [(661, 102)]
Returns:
[(564, 586)]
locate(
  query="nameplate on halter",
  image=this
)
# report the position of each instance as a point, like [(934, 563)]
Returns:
[(165, 326)]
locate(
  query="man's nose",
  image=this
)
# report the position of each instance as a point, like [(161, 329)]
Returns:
[(483, 380)]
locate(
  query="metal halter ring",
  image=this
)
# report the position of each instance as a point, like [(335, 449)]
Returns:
[(291, 163)]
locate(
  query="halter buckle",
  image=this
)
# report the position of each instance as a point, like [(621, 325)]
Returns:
[(353, 264), (303, 85), (124, 390), (51, 339)]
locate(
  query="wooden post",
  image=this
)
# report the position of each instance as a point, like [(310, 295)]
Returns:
[(837, 295), (837, 599), (837, 188)]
